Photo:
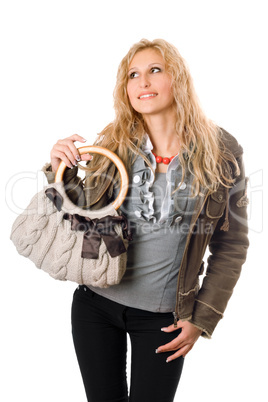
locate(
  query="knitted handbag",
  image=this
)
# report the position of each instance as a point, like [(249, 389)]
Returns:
[(71, 243)]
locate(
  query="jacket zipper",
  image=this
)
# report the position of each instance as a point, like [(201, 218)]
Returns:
[(175, 319), (175, 313)]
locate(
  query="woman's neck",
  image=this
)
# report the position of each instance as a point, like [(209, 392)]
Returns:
[(161, 130)]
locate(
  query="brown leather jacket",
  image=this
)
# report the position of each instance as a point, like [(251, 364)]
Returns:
[(219, 222)]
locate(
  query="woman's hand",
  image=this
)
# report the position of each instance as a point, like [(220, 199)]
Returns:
[(65, 150), (184, 341)]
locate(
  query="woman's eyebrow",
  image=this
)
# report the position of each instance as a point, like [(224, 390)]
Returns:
[(151, 64)]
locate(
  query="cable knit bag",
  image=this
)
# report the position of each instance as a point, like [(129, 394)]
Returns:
[(70, 243)]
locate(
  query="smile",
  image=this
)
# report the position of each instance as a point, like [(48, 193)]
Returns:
[(147, 96)]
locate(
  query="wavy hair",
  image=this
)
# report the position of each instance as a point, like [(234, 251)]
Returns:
[(200, 138)]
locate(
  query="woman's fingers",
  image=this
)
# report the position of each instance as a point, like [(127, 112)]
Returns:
[(171, 328), (181, 352), (69, 142), (71, 155), (184, 342), (175, 344), (76, 137), (86, 157), (56, 159), (70, 149), (65, 150)]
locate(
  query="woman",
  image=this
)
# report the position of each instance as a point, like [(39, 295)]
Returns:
[(187, 193)]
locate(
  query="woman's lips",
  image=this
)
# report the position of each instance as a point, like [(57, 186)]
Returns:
[(147, 96)]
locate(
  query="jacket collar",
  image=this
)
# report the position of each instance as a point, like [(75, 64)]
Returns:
[(147, 145)]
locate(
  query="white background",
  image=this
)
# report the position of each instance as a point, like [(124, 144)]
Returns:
[(58, 66)]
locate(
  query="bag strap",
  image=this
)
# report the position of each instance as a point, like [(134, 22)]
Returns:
[(114, 158)]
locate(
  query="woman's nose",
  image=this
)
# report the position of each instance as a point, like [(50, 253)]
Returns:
[(144, 82)]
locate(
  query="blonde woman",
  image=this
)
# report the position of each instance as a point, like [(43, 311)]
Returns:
[(187, 192)]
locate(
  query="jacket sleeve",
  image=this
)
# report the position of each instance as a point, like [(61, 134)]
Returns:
[(73, 184), (228, 250)]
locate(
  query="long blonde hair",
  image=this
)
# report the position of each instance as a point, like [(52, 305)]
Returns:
[(199, 137)]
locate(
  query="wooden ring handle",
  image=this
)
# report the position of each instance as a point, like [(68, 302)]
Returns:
[(114, 158)]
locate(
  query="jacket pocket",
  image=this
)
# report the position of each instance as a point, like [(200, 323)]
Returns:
[(216, 204)]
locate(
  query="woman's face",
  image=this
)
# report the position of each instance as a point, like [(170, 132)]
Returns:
[(149, 85)]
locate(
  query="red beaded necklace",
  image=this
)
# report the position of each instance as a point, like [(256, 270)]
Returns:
[(164, 160)]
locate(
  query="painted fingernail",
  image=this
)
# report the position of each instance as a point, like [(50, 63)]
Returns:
[(167, 361), (78, 158), (156, 350), (83, 139)]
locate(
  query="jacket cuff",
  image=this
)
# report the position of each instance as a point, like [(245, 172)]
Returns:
[(205, 318), (48, 172), (69, 174)]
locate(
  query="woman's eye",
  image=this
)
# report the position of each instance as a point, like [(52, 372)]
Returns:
[(133, 75), (155, 69)]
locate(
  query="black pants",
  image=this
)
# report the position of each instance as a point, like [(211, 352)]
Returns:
[(100, 328)]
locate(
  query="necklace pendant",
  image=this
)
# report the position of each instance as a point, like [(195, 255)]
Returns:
[(164, 160)]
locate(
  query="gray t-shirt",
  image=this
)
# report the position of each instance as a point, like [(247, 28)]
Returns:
[(155, 253)]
